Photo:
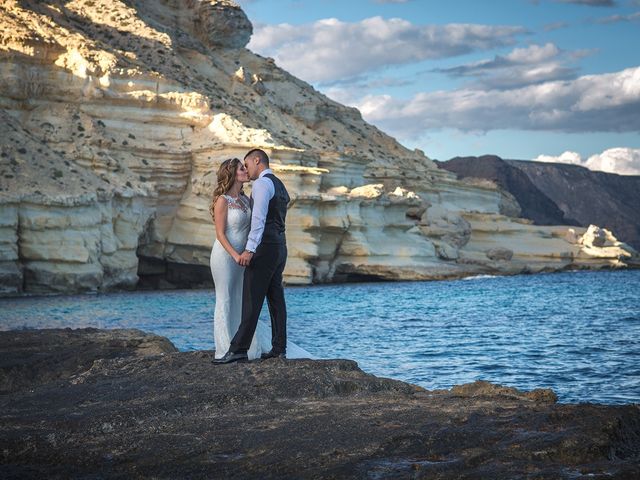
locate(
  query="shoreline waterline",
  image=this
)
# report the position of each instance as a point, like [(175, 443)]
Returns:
[(575, 332), (450, 278)]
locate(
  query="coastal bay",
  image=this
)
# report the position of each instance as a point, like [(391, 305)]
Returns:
[(471, 319)]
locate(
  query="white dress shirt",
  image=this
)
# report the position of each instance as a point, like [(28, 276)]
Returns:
[(262, 192)]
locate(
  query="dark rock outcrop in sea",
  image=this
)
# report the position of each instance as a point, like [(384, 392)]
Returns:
[(176, 415), (557, 193)]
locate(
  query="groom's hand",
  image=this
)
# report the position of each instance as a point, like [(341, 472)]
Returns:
[(245, 258)]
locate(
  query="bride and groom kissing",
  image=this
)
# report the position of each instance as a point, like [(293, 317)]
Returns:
[(247, 261)]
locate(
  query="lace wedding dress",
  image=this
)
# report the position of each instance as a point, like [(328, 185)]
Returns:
[(228, 277)]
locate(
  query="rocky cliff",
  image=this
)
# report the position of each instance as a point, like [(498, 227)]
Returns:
[(115, 115), (534, 204), (613, 201), (556, 193), (125, 404)]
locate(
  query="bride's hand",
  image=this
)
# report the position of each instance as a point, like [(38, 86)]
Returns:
[(236, 257), (245, 258)]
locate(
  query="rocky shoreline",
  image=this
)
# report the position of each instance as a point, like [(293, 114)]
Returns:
[(202, 280), (92, 403)]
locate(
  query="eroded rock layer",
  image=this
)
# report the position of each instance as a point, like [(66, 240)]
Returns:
[(115, 115)]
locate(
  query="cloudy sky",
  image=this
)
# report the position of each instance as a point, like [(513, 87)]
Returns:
[(522, 79)]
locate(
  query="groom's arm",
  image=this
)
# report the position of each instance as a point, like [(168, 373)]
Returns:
[(262, 193)]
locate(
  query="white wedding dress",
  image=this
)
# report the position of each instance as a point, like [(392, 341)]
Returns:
[(228, 278)]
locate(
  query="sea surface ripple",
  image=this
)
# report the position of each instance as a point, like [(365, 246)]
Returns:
[(575, 332)]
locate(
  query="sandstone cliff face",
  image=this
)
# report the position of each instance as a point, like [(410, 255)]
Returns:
[(116, 115)]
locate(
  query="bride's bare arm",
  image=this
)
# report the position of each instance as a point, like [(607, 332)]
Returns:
[(221, 208)]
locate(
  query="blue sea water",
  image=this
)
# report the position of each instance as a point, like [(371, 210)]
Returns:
[(575, 332)]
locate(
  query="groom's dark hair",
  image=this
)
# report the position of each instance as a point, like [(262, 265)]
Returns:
[(256, 152)]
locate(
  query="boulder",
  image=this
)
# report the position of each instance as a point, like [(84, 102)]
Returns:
[(500, 254), (595, 237)]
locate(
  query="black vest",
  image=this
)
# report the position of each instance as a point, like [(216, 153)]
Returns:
[(277, 213)]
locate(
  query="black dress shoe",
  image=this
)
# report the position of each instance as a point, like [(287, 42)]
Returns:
[(272, 354), (231, 357)]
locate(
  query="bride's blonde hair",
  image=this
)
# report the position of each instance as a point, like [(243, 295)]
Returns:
[(226, 176)]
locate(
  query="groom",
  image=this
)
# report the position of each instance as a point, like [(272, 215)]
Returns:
[(265, 257)]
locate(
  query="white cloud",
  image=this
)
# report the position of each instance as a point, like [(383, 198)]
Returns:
[(550, 27), (588, 3), (329, 50), (606, 103), (533, 54), (623, 161), (573, 158), (523, 66), (632, 17), (591, 3)]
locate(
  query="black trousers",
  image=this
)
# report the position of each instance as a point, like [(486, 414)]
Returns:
[(263, 278)]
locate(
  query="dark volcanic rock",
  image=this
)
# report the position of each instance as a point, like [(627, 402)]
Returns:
[(32, 357), (177, 415), (535, 204), (561, 194), (605, 199)]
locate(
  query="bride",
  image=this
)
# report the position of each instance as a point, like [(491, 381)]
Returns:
[(231, 212)]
